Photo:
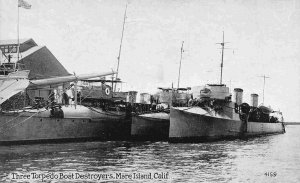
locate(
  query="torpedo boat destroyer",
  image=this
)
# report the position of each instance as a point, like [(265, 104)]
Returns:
[(53, 121), (40, 110), (215, 115), (154, 124), (42, 104)]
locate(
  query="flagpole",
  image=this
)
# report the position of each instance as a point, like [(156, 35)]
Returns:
[(18, 33), (23, 4)]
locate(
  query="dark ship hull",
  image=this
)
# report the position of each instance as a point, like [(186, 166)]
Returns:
[(152, 126), (200, 126), (77, 124)]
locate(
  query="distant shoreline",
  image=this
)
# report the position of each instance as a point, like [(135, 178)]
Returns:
[(292, 123)]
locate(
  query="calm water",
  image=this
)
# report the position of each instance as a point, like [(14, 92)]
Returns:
[(264, 159)]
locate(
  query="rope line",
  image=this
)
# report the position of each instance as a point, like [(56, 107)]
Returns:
[(23, 121)]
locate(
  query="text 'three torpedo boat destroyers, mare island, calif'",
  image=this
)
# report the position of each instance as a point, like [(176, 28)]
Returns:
[(216, 115)]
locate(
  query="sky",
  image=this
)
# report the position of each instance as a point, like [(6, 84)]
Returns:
[(85, 35)]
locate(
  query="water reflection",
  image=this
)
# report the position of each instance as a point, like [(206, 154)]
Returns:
[(222, 161)]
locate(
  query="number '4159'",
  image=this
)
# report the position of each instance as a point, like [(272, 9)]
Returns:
[(271, 174)]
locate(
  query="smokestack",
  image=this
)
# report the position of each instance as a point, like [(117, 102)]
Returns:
[(145, 98), (254, 100), (131, 97), (238, 96)]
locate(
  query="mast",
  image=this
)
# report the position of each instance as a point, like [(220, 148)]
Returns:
[(181, 51), (264, 87), (222, 58), (18, 52), (120, 49), (18, 47)]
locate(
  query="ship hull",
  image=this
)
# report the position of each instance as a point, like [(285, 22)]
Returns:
[(192, 127), (37, 127), (153, 126)]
